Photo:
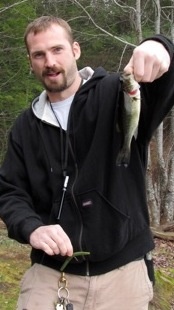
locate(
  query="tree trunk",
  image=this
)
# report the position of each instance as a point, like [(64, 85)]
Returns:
[(168, 207), (138, 20), (158, 16), (153, 204), (172, 20)]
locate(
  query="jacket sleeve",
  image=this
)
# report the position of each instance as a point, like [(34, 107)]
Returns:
[(16, 208), (157, 98)]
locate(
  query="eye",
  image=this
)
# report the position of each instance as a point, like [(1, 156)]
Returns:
[(57, 49), (38, 55)]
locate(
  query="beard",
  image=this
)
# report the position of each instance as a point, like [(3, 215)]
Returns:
[(54, 86)]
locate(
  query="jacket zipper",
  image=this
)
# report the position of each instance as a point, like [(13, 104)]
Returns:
[(75, 202)]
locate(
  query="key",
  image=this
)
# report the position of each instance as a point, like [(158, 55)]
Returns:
[(59, 307), (69, 306)]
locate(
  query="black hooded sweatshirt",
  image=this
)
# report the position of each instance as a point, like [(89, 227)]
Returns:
[(104, 209)]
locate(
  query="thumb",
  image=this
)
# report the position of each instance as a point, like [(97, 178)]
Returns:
[(128, 69)]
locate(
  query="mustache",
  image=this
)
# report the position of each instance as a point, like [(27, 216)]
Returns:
[(52, 70)]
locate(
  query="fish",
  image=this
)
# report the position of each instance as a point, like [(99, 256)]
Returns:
[(130, 117)]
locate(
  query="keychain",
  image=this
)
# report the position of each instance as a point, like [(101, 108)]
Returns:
[(63, 295), (63, 291)]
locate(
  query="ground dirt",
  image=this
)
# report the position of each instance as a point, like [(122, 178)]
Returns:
[(14, 260)]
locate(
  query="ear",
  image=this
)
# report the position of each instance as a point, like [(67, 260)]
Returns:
[(29, 60), (76, 50)]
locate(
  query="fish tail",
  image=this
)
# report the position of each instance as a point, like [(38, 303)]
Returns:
[(123, 157)]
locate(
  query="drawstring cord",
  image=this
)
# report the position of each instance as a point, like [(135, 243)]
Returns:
[(62, 151)]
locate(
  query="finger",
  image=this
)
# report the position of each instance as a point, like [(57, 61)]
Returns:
[(128, 69), (151, 70), (46, 248), (163, 68), (51, 239), (136, 66), (53, 245), (58, 240), (154, 70), (150, 61), (63, 242)]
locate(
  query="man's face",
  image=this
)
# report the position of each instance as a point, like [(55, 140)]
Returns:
[(53, 58)]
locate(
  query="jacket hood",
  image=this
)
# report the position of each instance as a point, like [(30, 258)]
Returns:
[(41, 107)]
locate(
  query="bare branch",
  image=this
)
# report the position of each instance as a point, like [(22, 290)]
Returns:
[(121, 58), (124, 6), (10, 6), (167, 7), (100, 28)]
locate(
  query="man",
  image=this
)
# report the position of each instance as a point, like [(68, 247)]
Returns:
[(60, 189)]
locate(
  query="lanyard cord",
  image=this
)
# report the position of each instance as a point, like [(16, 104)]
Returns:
[(62, 151)]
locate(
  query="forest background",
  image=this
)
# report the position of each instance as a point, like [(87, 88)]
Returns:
[(108, 31)]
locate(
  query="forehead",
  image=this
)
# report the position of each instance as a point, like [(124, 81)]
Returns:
[(54, 35)]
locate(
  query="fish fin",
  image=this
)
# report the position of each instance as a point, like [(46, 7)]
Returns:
[(123, 157)]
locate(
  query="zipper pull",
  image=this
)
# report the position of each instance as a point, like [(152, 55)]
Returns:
[(65, 184)]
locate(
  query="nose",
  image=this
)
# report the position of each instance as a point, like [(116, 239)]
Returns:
[(49, 60)]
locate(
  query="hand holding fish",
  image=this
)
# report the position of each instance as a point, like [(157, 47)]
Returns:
[(149, 61)]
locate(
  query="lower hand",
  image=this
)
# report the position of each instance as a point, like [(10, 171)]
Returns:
[(149, 61), (52, 240)]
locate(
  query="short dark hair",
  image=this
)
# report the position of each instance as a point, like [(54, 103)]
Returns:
[(43, 23)]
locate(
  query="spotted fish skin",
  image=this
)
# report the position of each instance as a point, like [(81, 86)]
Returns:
[(130, 117)]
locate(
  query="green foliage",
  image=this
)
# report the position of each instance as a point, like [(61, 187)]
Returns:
[(101, 27), (14, 261), (13, 60)]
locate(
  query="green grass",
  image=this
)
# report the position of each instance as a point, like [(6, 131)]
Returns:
[(164, 290), (15, 260)]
